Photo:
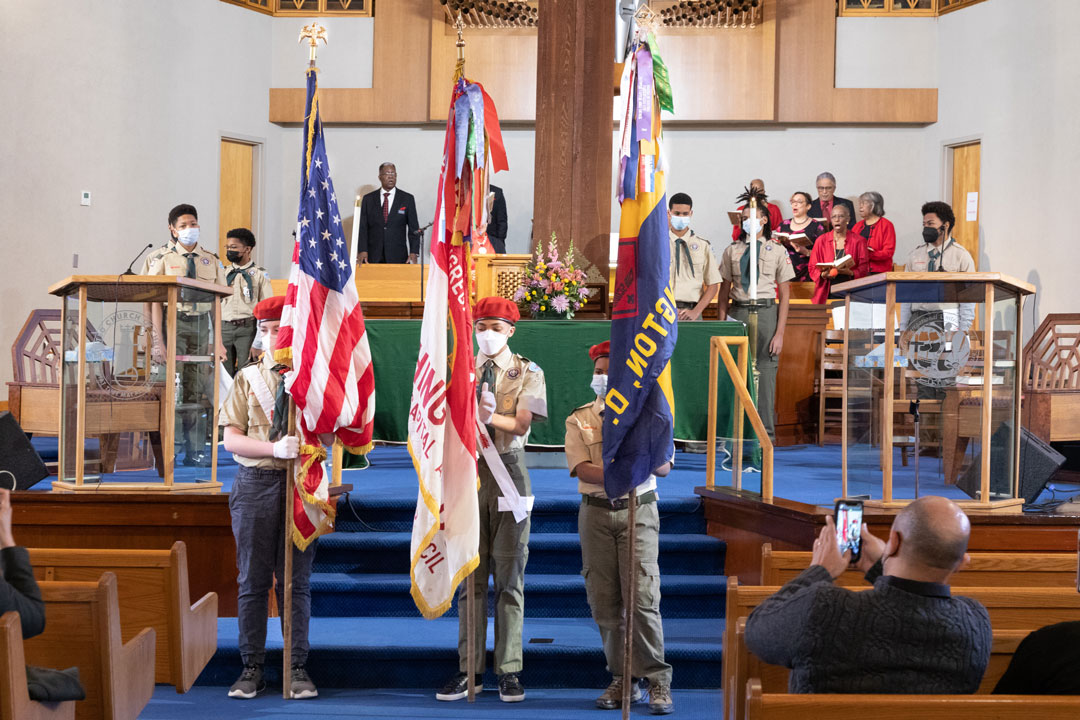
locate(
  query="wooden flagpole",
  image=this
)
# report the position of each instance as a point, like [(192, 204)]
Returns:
[(470, 629), (630, 602), (286, 603)]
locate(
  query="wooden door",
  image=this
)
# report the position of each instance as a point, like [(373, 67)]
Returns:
[(965, 197), (235, 198)]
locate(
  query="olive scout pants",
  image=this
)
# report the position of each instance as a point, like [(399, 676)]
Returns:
[(605, 534), (504, 550), (765, 361)]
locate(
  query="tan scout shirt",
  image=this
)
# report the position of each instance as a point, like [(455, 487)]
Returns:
[(954, 258), (774, 267), (243, 411), (239, 305), (170, 260), (691, 279), (584, 443), (519, 382)]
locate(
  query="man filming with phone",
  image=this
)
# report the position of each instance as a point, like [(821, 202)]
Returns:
[(906, 635)]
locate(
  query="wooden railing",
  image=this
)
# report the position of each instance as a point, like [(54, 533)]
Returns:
[(900, 8), (305, 8)]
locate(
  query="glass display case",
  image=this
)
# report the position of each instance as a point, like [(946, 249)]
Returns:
[(139, 377), (931, 396)]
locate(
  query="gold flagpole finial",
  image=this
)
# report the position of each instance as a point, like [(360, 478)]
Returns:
[(647, 21), (313, 33), (459, 25)]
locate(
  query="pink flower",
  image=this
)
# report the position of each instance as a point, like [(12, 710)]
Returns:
[(519, 295), (556, 286), (560, 304), (583, 292)]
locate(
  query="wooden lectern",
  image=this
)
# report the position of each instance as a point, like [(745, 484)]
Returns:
[(111, 383), (943, 347)]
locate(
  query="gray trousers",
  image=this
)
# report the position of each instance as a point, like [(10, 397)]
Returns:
[(257, 506), (766, 362), (605, 536), (504, 550)]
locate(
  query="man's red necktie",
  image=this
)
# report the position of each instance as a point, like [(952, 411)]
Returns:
[(385, 206)]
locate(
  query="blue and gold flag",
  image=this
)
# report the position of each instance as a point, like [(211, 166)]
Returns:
[(638, 422)]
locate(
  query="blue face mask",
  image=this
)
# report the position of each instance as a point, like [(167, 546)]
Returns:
[(680, 222), (748, 229)]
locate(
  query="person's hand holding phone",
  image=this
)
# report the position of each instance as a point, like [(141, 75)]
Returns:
[(6, 538), (827, 551), (873, 548)]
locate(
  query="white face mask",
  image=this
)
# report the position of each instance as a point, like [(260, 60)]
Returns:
[(599, 385), (491, 342), (188, 236), (680, 222), (749, 230)]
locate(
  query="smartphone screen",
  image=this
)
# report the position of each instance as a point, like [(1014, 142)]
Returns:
[(849, 518)]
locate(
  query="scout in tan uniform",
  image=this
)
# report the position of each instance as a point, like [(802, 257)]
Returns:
[(183, 257), (604, 530), (257, 506), (511, 393), (250, 285), (774, 274), (695, 277)]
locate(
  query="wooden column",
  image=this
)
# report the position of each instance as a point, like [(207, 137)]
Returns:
[(574, 127)]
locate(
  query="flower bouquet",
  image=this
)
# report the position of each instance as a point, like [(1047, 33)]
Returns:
[(553, 288)]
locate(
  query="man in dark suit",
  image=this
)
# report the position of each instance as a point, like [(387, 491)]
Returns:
[(826, 190), (389, 231), (496, 228)]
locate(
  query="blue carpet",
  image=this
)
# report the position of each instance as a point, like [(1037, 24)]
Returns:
[(211, 703)]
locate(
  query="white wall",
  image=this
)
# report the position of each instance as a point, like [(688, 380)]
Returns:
[(1010, 75), (344, 61), (883, 52), (127, 99)]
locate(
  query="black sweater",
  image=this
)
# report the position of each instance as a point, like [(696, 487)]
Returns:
[(902, 636), (19, 591)]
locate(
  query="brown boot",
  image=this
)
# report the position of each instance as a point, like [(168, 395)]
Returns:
[(612, 697), (660, 702)]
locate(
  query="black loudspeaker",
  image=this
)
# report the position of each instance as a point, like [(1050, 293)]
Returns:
[(1038, 462), (18, 457)]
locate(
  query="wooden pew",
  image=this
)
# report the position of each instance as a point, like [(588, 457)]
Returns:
[(987, 569), (15, 702), (774, 678), (153, 590), (1010, 608), (83, 629), (782, 706)]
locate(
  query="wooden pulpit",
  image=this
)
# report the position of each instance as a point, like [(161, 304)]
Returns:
[(149, 367), (942, 348)]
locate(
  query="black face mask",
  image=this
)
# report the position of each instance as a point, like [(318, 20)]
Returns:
[(233, 256), (930, 235)]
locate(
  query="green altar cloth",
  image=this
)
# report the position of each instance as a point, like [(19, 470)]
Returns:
[(560, 348)]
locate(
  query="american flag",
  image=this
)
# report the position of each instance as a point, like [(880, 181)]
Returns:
[(322, 334)]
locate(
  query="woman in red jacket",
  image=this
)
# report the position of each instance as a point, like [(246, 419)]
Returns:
[(832, 246), (879, 233)]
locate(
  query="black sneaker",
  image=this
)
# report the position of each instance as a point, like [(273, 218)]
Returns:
[(510, 688), (249, 684), (457, 687), (300, 685)]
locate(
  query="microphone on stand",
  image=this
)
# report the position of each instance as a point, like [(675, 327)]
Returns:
[(129, 271), (420, 234)]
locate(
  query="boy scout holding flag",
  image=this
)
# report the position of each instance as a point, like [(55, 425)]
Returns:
[(603, 525), (511, 394)]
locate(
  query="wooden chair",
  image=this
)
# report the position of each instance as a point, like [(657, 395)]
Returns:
[(1052, 379), (83, 629), (987, 569), (1010, 608), (15, 702), (774, 679), (782, 706), (153, 592), (830, 381)]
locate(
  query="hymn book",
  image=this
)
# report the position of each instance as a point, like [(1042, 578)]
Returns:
[(840, 263), (735, 216), (799, 239)]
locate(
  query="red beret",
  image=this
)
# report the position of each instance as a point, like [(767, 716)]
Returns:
[(270, 308), (496, 307), (598, 351)]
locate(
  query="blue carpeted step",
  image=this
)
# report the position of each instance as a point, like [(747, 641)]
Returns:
[(362, 512), (546, 596), (409, 653), (549, 553)]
